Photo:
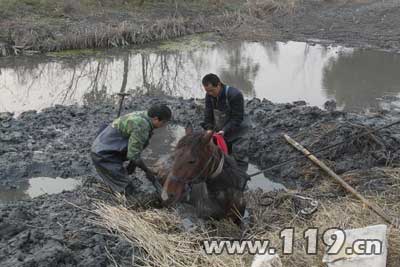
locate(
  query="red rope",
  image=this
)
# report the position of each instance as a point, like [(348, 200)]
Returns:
[(220, 142)]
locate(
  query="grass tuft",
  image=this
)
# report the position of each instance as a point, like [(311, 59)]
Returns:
[(261, 8)]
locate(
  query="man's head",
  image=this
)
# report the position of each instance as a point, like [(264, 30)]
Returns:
[(212, 84), (160, 115)]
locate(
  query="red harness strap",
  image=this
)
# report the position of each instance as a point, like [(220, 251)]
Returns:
[(220, 142)]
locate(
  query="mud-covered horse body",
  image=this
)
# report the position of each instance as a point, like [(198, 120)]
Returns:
[(199, 173), (225, 193)]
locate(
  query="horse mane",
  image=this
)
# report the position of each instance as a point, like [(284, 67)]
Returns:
[(193, 140), (232, 175)]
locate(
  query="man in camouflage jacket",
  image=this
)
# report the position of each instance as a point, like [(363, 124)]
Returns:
[(124, 140)]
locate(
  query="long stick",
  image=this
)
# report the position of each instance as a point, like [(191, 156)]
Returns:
[(331, 173), (121, 102)]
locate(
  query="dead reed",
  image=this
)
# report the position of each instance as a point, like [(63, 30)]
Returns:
[(261, 8), (159, 241)]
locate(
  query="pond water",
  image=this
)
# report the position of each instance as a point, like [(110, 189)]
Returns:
[(280, 72)]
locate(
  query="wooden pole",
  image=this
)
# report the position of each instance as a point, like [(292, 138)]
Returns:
[(337, 178), (121, 102)]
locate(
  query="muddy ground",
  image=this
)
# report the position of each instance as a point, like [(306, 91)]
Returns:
[(31, 26), (57, 230), (352, 23)]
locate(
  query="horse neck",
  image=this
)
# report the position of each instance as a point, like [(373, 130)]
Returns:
[(230, 177), (215, 157)]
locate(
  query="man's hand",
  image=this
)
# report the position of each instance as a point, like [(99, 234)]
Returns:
[(131, 167), (150, 176), (140, 163), (136, 163), (206, 126), (221, 133)]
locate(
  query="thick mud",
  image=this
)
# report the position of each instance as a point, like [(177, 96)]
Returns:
[(52, 231), (57, 230)]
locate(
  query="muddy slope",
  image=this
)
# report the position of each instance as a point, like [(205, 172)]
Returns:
[(353, 23), (49, 230)]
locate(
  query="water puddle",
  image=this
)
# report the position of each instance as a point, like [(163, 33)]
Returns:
[(162, 143), (280, 72), (35, 187), (262, 182)]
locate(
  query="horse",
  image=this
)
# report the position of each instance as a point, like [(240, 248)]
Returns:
[(199, 173)]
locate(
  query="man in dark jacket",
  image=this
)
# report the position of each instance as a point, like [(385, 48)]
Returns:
[(224, 113), (124, 140)]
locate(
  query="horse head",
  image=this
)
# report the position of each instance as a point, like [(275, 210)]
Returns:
[(191, 164)]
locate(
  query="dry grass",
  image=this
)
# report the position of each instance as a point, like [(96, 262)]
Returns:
[(35, 38), (60, 7), (106, 36), (71, 6), (261, 8), (125, 33), (344, 213), (274, 212), (159, 241), (162, 243)]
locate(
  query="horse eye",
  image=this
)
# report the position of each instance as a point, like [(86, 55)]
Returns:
[(191, 161)]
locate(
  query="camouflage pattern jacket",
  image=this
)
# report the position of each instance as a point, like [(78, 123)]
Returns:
[(128, 136), (137, 127)]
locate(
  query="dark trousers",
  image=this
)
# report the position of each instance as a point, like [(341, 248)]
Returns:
[(111, 170), (239, 150)]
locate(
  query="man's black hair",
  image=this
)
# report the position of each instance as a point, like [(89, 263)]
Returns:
[(162, 112), (212, 79)]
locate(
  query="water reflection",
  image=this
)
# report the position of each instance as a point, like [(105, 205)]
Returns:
[(163, 142), (357, 79), (35, 187), (240, 69), (280, 72), (262, 182)]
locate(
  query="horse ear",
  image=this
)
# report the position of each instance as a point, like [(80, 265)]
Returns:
[(207, 137), (189, 129)]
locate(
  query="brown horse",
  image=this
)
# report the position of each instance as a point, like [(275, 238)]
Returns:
[(205, 177)]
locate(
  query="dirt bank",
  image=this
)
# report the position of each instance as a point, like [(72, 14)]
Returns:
[(41, 26), (56, 142), (353, 23)]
